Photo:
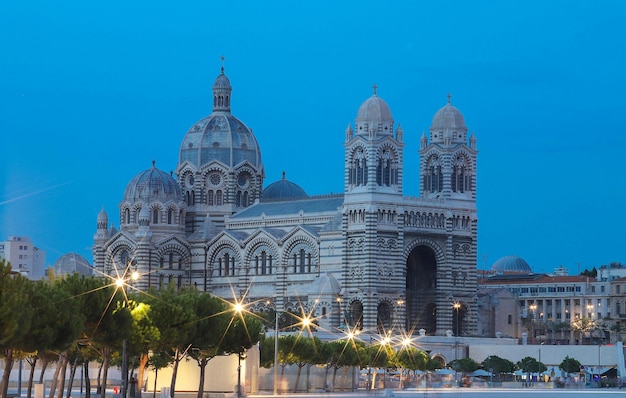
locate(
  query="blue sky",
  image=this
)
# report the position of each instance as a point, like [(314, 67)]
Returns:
[(92, 91)]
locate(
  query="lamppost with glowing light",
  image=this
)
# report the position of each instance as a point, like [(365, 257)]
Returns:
[(238, 308), (532, 308), (121, 283)]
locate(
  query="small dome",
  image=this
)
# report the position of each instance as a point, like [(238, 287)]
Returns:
[(327, 285), (222, 82), (283, 189), (72, 263), (152, 184), (448, 118), (511, 264), (103, 219), (375, 114)]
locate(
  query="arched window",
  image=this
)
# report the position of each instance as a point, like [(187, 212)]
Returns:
[(386, 170), (238, 199), (355, 315), (302, 260), (219, 198), (226, 265), (383, 319), (170, 215), (433, 179), (210, 197), (265, 263), (358, 168), (155, 216), (460, 180), (244, 200)]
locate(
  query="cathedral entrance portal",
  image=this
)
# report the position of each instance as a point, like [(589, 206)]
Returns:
[(421, 289)]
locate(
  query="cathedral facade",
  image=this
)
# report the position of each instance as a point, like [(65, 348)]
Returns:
[(369, 259)]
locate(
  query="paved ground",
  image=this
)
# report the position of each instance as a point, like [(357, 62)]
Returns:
[(467, 393)]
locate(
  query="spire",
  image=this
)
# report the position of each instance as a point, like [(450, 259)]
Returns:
[(221, 91)]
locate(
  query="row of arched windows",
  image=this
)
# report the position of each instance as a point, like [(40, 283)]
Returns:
[(386, 169), (460, 178), (386, 216), (221, 101), (384, 310), (429, 220), (156, 216), (216, 198), (171, 261), (263, 263)]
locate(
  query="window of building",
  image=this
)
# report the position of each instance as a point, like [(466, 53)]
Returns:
[(226, 265), (263, 263), (155, 216)]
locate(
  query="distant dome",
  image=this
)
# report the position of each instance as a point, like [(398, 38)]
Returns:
[(374, 113), (511, 264), (326, 284), (152, 184), (283, 189), (72, 263), (220, 136), (448, 118)]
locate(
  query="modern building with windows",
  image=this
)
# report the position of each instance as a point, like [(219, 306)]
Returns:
[(25, 258), (369, 258)]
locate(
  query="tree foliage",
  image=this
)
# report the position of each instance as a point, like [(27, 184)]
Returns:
[(570, 365), (531, 365)]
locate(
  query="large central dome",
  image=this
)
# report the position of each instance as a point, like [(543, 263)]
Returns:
[(220, 136)]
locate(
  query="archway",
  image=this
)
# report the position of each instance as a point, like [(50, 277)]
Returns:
[(421, 290), (355, 315), (383, 318)]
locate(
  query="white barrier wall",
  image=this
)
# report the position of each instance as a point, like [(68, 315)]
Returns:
[(591, 356)]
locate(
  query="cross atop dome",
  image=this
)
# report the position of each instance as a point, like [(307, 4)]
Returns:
[(449, 97), (222, 58), (374, 87)]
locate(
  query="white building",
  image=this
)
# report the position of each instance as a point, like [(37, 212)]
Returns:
[(24, 257), (546, 304)]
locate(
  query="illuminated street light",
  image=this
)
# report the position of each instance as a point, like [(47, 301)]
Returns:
[(122, 283), (238, 308), (457, 308)]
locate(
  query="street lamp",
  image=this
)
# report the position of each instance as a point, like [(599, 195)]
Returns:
[(457, 308), (532, 308), (121, 283), (238, 308), (276, 353)]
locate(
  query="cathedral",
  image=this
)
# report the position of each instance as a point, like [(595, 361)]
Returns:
[(369, 259)]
